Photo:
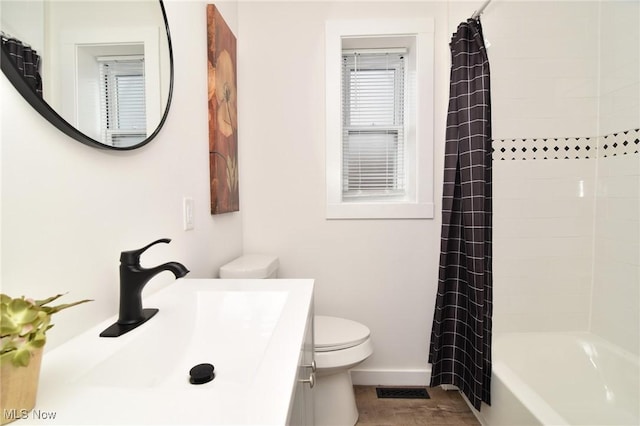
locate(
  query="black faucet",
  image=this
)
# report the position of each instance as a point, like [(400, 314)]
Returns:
[(133, 278)]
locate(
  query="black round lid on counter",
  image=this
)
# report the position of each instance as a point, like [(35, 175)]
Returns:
[(201, 373)]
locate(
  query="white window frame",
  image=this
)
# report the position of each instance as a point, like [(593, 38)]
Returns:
[(76, 48), (417, 35)]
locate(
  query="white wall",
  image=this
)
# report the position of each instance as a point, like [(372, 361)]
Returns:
[(616, 288), (69, 210), (380, 272), (619, 83), (544, 68), (16, 18)]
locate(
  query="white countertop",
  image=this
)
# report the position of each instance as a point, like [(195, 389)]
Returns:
[(250, 330)]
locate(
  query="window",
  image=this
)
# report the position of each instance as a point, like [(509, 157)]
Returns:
[(379, 154), (122, 100), (373, 86), (82, 47)]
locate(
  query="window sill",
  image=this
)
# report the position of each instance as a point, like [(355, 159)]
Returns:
[(380, 210)]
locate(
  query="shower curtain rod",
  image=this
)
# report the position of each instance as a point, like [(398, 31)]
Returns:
[(478, 12)]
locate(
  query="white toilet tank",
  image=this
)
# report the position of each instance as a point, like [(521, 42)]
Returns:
[(251, 266)]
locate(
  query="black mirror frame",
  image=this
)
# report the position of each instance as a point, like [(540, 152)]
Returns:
[(39, 104)]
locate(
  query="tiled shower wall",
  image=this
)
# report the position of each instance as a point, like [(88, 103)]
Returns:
[(562, 200), (616, 280), (543, 239), (566, 232), (544, 94)]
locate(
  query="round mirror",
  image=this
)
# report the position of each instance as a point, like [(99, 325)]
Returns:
[(100, 71)]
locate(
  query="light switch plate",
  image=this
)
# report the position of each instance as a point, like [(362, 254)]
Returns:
[(187, 213)]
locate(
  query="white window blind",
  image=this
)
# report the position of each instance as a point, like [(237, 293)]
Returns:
[(373, 135), (122, 100)]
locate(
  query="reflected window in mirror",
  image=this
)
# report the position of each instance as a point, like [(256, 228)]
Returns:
[(75, 39), (122, 100)]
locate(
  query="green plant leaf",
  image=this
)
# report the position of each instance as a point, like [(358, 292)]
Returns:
[(7, 344), (39, 340), (53, 309), (22, 356), (8, 325), (48, 300), (23, 326), (18, 305), (21, 311)]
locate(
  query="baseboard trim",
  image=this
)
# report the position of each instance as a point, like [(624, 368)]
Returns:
[(364, 377)]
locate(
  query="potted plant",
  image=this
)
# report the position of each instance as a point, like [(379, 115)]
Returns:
[(23, 333)]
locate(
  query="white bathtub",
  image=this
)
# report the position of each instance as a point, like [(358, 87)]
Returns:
[(561, 379)]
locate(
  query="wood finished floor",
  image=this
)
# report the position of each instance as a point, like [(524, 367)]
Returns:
[(444, 408)]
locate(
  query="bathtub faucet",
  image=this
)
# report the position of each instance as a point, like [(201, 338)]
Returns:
[(133, 278)]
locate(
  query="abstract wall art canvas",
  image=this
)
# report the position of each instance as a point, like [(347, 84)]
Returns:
[(223, 114)]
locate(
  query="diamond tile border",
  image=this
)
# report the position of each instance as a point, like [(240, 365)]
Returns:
[(620, 143)]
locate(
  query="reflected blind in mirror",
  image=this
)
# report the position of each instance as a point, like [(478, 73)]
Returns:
[(122, 100)]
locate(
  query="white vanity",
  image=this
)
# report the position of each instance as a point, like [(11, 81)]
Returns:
[(257, 333)]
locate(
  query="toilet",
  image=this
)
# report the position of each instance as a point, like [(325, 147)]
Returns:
[(340, 344)]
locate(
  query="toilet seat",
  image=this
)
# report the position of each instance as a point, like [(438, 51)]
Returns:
[(334, 334)]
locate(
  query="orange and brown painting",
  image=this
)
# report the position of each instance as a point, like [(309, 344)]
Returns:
[(223, 114)]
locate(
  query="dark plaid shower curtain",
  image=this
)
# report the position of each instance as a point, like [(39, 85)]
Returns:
[(27, 61), (460, 349)]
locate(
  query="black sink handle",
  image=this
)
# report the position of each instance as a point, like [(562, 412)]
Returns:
[(132, 257)]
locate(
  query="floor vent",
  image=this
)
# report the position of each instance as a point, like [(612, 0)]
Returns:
[(403, 393)]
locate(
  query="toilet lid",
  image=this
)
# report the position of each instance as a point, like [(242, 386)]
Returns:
[(332, 334)]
